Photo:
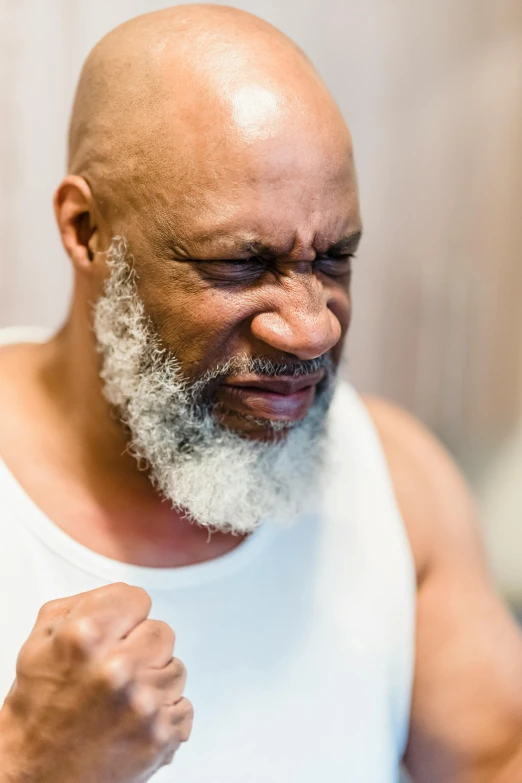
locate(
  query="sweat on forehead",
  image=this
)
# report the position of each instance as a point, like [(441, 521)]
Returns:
[(189, 93)]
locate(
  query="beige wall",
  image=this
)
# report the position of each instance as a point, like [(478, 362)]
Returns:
[(433, 93), (443, 220)]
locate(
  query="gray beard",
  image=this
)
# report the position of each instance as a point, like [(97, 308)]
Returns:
[(216, 477)]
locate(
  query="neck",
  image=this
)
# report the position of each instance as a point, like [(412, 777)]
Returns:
[(72, 382)]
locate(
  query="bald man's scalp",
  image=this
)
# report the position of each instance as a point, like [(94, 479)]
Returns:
[(155, 101)]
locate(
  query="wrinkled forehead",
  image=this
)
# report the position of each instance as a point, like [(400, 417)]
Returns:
[(291, 175), (242, 150)]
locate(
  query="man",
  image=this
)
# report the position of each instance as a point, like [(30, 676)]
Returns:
[(181, 457)]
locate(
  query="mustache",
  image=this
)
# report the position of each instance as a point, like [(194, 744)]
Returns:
[(264, 367)]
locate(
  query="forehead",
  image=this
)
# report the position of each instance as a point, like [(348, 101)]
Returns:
[(269, 191)]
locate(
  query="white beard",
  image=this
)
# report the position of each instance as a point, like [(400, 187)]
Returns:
[(218, 478)]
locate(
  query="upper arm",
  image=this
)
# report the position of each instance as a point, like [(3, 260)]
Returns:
[(466, 724)]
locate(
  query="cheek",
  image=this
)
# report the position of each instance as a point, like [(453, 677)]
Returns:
[(204, 325), (201, 326)]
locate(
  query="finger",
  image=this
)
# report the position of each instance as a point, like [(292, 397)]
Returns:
[(174, 738), (174, 726), (151, 643), (114, 610), (180, 717), (169, 681)]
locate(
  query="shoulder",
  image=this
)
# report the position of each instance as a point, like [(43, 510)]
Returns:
[(18, 371), (435, 503), (23, 399)]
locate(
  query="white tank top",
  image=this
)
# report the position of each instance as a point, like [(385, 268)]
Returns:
[(298, 643)]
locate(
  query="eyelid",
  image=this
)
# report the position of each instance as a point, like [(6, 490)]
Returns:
[(337, 256), (260, 260), (342, 269), (235, 261)]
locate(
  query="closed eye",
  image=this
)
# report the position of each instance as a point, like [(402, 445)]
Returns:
[(335, 266), (247, 270), (240, 270)]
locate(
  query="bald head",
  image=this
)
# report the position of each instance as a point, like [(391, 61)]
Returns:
[(208, 154), (184, 94)]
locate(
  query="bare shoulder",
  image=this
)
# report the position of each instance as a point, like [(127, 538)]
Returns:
[(22, 403), (435, 502), (13, 362), (18, 364)]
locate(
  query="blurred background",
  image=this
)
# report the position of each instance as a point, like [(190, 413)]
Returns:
[(433, 94)]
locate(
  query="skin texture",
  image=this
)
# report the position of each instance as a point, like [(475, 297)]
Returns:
[(99, 650), (198, 133)]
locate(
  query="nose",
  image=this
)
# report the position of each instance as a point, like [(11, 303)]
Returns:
[(300, 321)]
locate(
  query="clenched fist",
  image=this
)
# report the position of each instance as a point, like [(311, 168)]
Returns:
[(97, 695)]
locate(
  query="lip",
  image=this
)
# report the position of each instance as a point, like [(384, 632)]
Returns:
[(275, 399), (284, 385)]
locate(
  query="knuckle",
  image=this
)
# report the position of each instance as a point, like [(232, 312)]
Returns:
[(144, 704), (48, 609), (123, 590), (77, 636), (180, 670), (115, 674), (115, 587), (183, 715), (185, 727), (134, 593), (51, 611), (87, 632), (188, 710), (163, 736), (175, 726), (161, 630)]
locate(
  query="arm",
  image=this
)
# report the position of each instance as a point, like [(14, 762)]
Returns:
[(466, 724)]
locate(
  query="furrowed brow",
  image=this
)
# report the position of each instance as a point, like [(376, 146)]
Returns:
[(256, 249), (252, 247), (347, 244)]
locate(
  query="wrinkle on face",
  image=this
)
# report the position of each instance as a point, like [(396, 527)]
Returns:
[(201, 126)]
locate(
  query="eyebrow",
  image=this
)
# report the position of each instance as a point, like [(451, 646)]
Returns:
[(348, 243)]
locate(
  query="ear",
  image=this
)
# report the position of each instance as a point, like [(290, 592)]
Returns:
[(77, 220)]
